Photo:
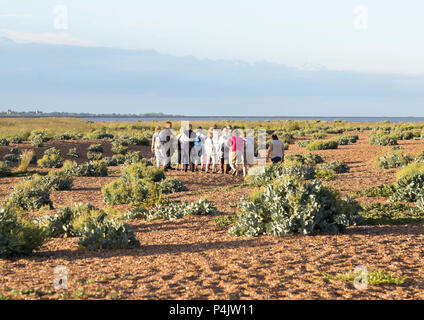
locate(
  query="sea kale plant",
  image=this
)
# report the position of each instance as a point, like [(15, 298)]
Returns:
[(292, 206)]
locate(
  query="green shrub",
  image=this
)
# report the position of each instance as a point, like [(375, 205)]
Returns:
[(409, 188), (50, 161), (29, 195), (140, 170), (97, 229), (37, 140), (336, 166), (410, 170), (277, 171), (374, 277), (119, 146), (384, 190), (57, 180), (52, 151), (391, 214), (86, 169), (171, 186), (226, 221), (14, 139), (325, 174), (95, 148), (393, 160), (307, 159), (322, 145), (11, 158), (18, 235), (177, 210), (110, 234), (4, 142), (26, 158), (73, 153), (4, 169), (383, 140), (295, 207), (345, 139), (319, 135), (14, 150), (303, 143), (62, 223), (63, 136), (120, 192), (94, 155), (131, 158)]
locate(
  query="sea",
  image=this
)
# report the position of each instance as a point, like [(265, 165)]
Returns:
[(253, 118)]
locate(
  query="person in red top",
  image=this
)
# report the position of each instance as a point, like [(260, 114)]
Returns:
[(236, 145)]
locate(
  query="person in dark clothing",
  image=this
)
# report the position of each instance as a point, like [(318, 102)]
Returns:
[(190, 138)]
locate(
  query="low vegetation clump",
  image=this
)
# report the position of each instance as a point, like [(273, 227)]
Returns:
[(55, 180), (29, 195), (346, 139), (177, 210), (336, 166), (110, 234), (394, 160), (291, 206), (277, 171), (319, 135), (18, 235), (121, 192), (303, 143), (171, 186), (140, 170), (410, 183), (4, 142), (374, 277), (37, 140), (26, 158), (325, 174), (140, 183), (391, 214), (11, 158), (97, 229), (94, 155), (322, 145), (307, 159), (383, 140), (4, 169), (73, 153), (225, 221), (119, 146), (51, 159), (384, 190), (86, 169), (95, 148)]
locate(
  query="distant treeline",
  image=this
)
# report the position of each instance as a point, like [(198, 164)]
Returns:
[(33, 114)]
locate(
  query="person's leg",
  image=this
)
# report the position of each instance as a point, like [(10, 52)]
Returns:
[(207, 163), (158, 155), (233, 162), (213, 163)]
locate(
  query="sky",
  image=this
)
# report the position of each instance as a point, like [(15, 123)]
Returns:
[(368, 36)]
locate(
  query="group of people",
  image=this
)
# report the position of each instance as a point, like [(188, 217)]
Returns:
[(227, 148)]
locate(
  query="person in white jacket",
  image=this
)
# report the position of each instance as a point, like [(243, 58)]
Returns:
[(210, 152), (156, 146)]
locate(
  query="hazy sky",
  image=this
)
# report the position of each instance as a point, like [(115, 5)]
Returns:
[(382, 36)]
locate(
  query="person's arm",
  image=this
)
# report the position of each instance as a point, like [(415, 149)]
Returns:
[(269, 152)]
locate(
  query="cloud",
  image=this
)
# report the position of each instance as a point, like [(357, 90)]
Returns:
[(48, 38)]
